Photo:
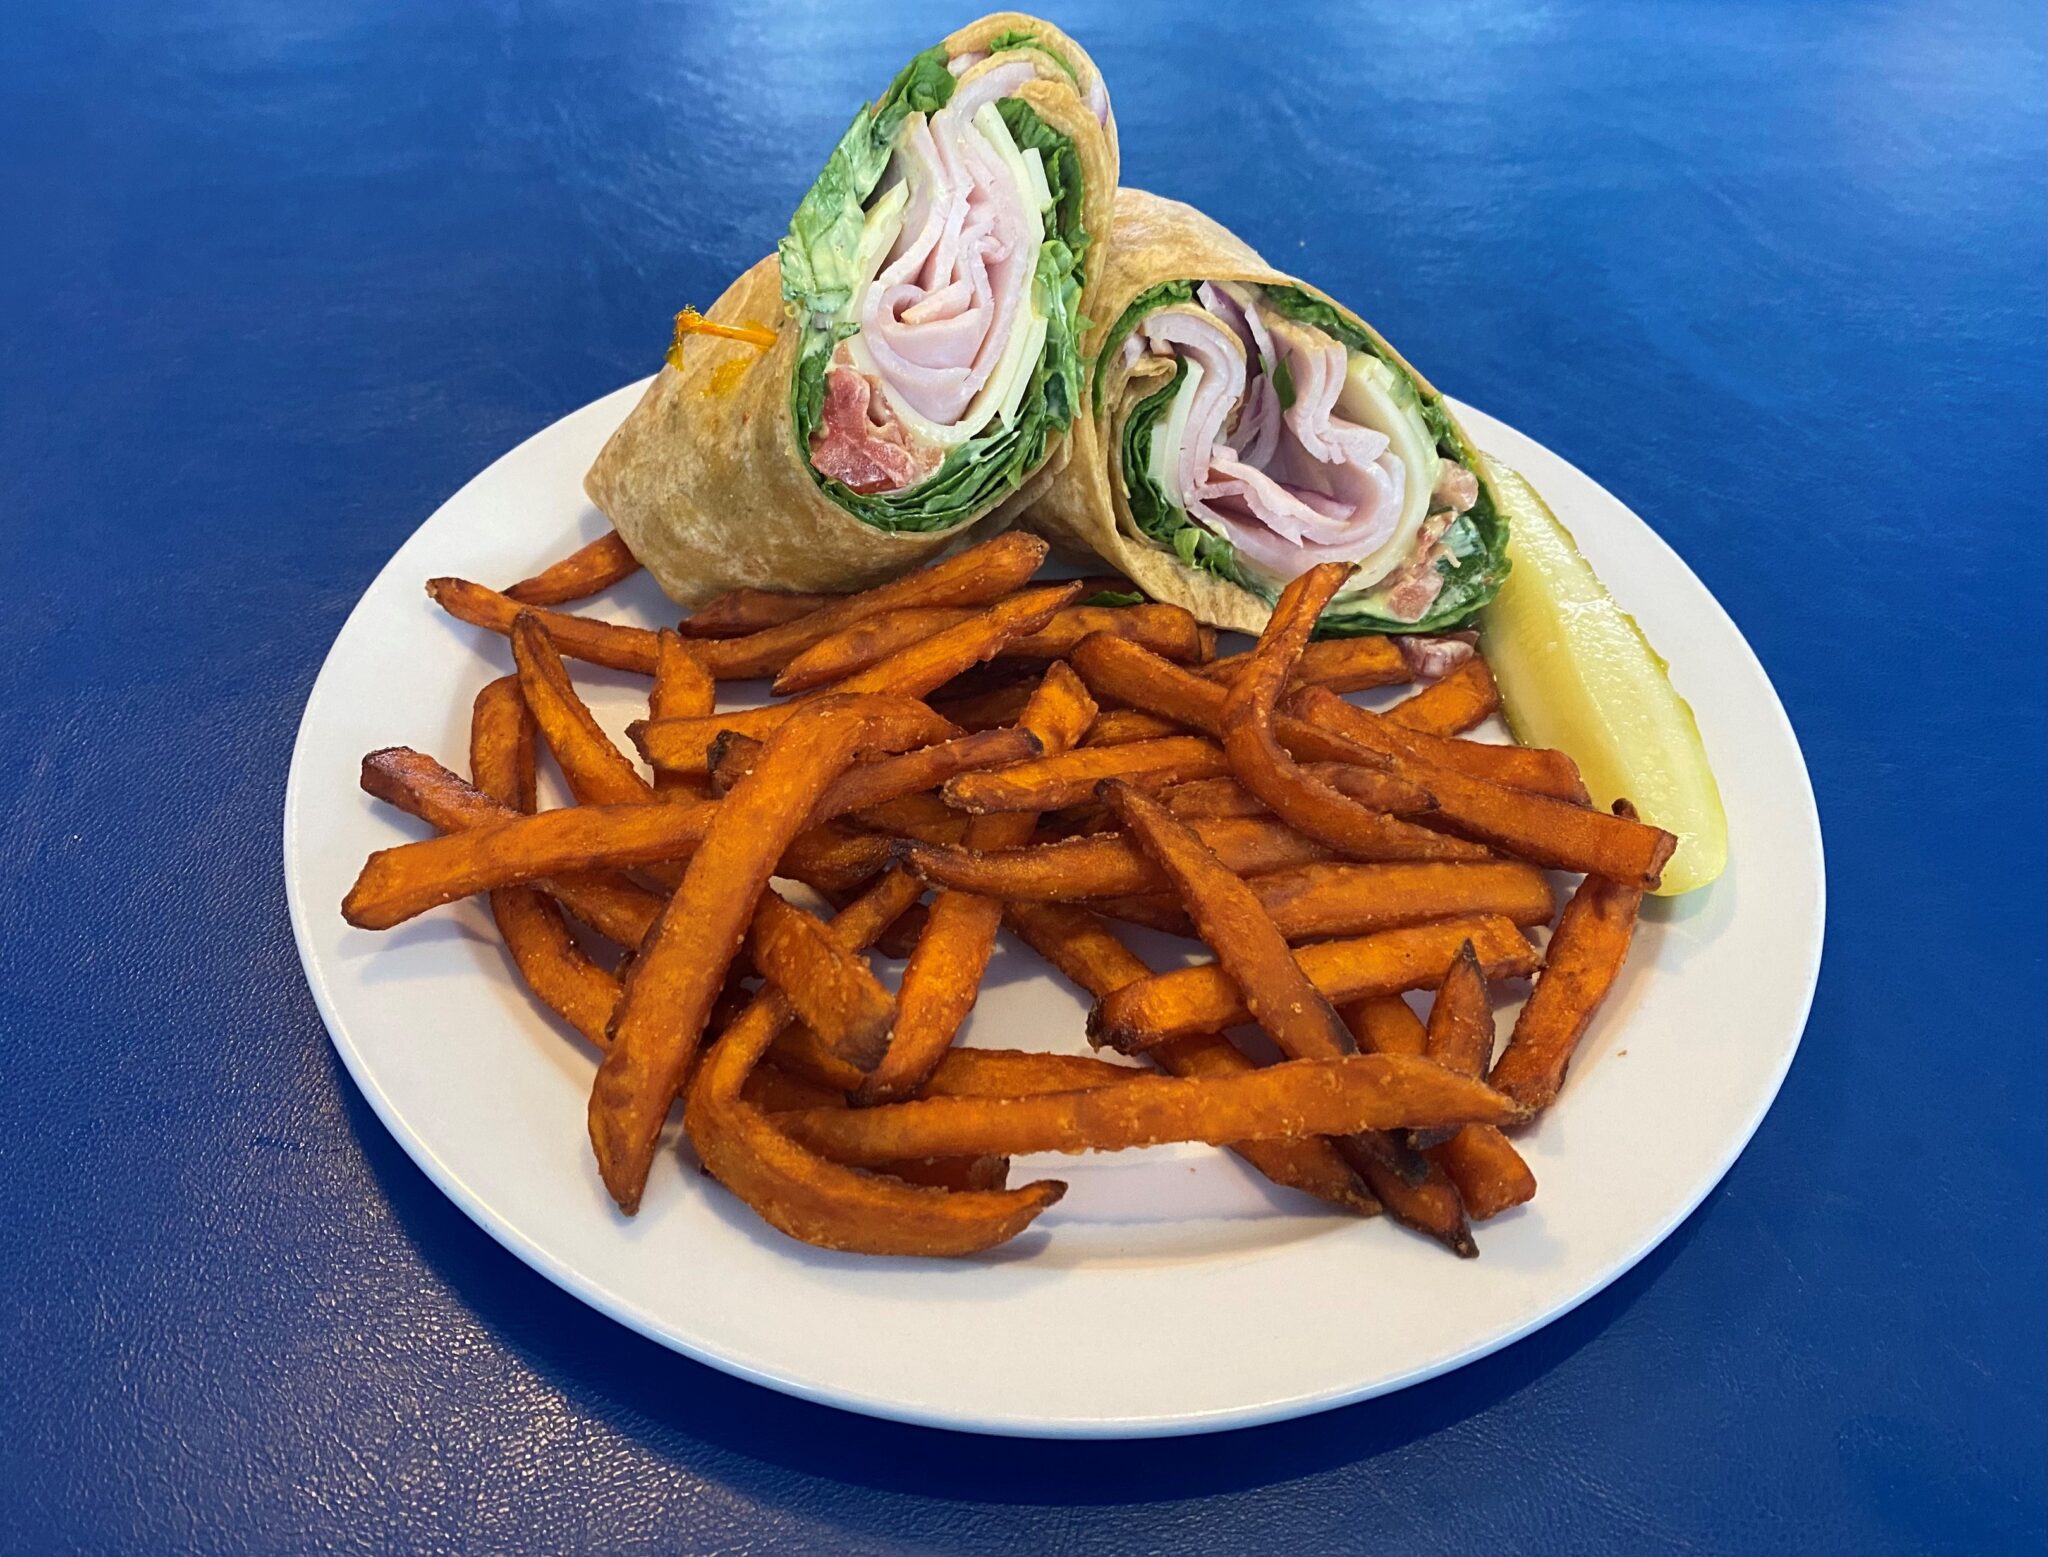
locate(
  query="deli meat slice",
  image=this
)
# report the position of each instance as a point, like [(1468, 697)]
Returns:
[(852, 447), (1298, 484), (939, 314), (935, 321)]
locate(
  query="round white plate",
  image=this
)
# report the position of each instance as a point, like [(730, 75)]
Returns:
[(1298, 1310)]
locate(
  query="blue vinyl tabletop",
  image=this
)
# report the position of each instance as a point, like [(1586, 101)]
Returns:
[(276, 277)]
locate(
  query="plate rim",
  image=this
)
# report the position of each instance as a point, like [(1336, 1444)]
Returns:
[(589, 1290)]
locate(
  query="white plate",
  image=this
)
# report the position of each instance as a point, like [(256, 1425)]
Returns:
[(1082, 1327)]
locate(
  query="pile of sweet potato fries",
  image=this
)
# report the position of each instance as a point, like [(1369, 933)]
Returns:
[(963, 750)]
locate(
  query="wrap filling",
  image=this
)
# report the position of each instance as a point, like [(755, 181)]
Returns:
[(935, 270), (1283, 438)]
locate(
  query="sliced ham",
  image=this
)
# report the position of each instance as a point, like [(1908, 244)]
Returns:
[(1456, 488), (938, 316), (1414, 586), (857, 442), (936, 319), (1295, 486), (1431, 659)]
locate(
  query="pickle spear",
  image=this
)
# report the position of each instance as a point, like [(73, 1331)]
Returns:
[(1576, 672)]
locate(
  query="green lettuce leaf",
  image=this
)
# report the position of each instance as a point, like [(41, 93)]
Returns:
[(817, 254), (1113, 597)]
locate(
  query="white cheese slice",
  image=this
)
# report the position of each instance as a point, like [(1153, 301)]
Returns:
[(1170, 432), (1374, 397)]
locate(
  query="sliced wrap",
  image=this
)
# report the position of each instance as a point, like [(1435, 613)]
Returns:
[(927, 308), (1245, 426)]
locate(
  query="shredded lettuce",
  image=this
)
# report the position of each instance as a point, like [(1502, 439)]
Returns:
[(1476, 541), (819, 271)]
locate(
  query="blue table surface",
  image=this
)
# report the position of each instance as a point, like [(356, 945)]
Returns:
[(277, 277)]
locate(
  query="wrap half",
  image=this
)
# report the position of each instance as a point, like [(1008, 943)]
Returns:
[(916, 355), (1245, 426)]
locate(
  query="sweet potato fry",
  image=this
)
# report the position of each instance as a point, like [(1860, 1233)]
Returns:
[(589, 569), (583, 638), (1164, 629), (776, 1091), (864, 643), (832, 989), (1204, 998), (1451, 706), (976, 576), (901, 938), (1538, 828), (831, 858), (598, 773), (803, 1053), (871, 783), (883, 779), (1460, 1032), (1056, 781), (1579, 969), (993, 709), (1261, 764), (954, 1173), (554, 967), (1231, 919), (609, 903), (925, 818), (683, 689), (398, 883), (1122, 672), (1369, 787), (821, 1202), (1317, 902), (1167, 630), (1341, 664), (1090, 955), (944, 974), (1020, 1073), (1104, 864), (738, 612), (888, 723), (1274, 989), (1121, 726), (1297, 1097), (1429, 1203), (1536, 769), (1490, 1174), (1385, 1024), (669, 989), (928, 664)]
